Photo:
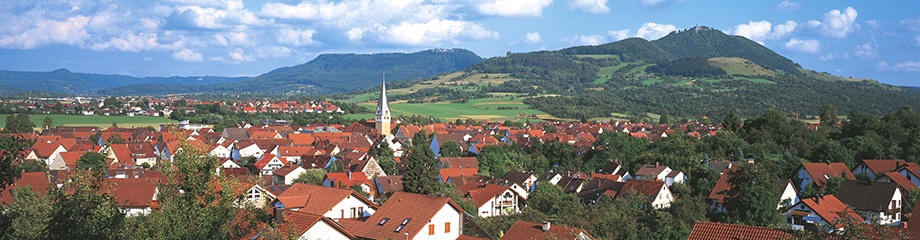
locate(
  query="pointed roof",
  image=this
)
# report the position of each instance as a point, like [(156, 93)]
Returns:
[(383, 108)]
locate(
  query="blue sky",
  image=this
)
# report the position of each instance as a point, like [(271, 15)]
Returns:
[(867, 39)]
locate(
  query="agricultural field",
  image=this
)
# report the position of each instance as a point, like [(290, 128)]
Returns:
[(94, 120), (512, 108)]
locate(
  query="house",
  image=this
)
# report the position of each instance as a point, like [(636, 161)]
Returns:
[(411, 216), (256, 195), (524, 179), (45, 151), (658, 194), (911, 171), (720, 193), (459, 162), (725, 231), (596, 188), (66, 161), (819, 173), (134, 196), (660, 173), (526, 230), (38, 181), (330, 202), (348, 180), (306, 225), (877, 202), (286, 175), (903, 183), (819, 211), (439, 139), (495, 200), (446, 173), (614, 168), (387, 185), (874, 168), (267, 164)]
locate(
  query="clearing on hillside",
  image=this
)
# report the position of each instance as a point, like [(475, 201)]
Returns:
[(740, 66)]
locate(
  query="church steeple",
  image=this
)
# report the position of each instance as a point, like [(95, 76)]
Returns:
[(382, 121)]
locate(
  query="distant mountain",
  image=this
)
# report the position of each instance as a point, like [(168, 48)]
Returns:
[(693, 72), (67, 82), (329, 74)]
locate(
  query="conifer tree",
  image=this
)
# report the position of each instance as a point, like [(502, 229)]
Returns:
[(421, 172)]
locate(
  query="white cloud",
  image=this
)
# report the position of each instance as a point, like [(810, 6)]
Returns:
[(866, 50), (187, 55), (294, 37), (764, 30), (273, 51), (591, 6), (916, 42), (233, 39), (651, 31), (237, 55), (70, 31), (874, 24), (836, 23), (906, 66), (803, 46), (513, 8), (435, 32), (587, 40), (833, 56), (148, 59), (912, 24), (618, 35), (532, 38), (788, 6), (654, 3)]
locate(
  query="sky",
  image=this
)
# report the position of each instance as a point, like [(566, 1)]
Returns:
[(862, 39)]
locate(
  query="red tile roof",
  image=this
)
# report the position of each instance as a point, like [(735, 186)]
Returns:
[(819, 170), (881, 166), (300, 222), (317, 199), (264, 161), (830, 208), (524, 230), (342, 179), (402, 205), (446, 173), (132, 192), (644, 187), (902, 181), (460, 162), (38, 181), (720, 231), (482, 196)]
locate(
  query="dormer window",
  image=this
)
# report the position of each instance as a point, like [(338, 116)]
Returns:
[(826, 177)]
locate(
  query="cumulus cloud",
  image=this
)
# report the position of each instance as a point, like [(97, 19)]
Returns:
[(273, 51), (70, 31), (532, 38), (587, 40), (237, 55), (836, 23), (764, 30), (866, 50), (188, 55), (803, 46), (618, 35), (513, 8), (651, 31), (435, 32), (905, 66), (916, 42), (787, 6), (591, 6), (294, 37), (654, 3)]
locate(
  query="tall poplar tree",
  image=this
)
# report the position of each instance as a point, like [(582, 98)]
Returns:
[(421, 170)]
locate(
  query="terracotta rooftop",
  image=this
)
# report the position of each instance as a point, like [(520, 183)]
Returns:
[(524, 230), (418, 208), (719, 231), (317, 199)]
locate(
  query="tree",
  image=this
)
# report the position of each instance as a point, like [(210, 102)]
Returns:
[(731, 122), (421, 171), (18, 123), (115, 139), (11, 148), (311, 176), (754, 197), (663, 119), (26, 217), (385, 158), (47, 122), (829, 116), (92, 161), (337, 166), (450, 149), (83, 209)]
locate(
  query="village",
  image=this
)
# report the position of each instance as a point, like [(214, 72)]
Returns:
[(357, 195)]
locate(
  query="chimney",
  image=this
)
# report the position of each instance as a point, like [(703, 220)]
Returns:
[(546, 226), (656, 164), (348, 173), (279, 215)]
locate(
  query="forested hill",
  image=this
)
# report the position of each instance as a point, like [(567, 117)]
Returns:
[(694, 72), (329, 74), (67, 82)]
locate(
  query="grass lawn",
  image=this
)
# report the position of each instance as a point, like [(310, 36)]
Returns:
[(603, 74), (94, 120), (651, 81), (477, 109)]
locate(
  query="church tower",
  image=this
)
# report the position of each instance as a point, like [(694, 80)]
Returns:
[(383, 110)]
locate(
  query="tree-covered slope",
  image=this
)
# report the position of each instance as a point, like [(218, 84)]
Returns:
[(67, 82)]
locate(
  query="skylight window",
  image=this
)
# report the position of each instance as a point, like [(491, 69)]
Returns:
[(402, 225), (383, 221)]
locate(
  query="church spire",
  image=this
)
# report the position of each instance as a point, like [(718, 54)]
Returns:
[(382, 120)]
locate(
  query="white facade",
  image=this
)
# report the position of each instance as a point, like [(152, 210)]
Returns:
[(321, 230), (505, 203), (664, 198), (789, 195), (447, 216), (679, 178), (251, 151), (289, 178), (350, 207), (272, 165), (220, 151)]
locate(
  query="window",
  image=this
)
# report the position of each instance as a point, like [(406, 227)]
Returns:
[(402, 224), (343, 213), (447, 227), (253, 194), (354, 212), (430, 229), (360, 212), (383, 221)]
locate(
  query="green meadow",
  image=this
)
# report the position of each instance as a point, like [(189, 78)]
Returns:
[(94, 120)]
